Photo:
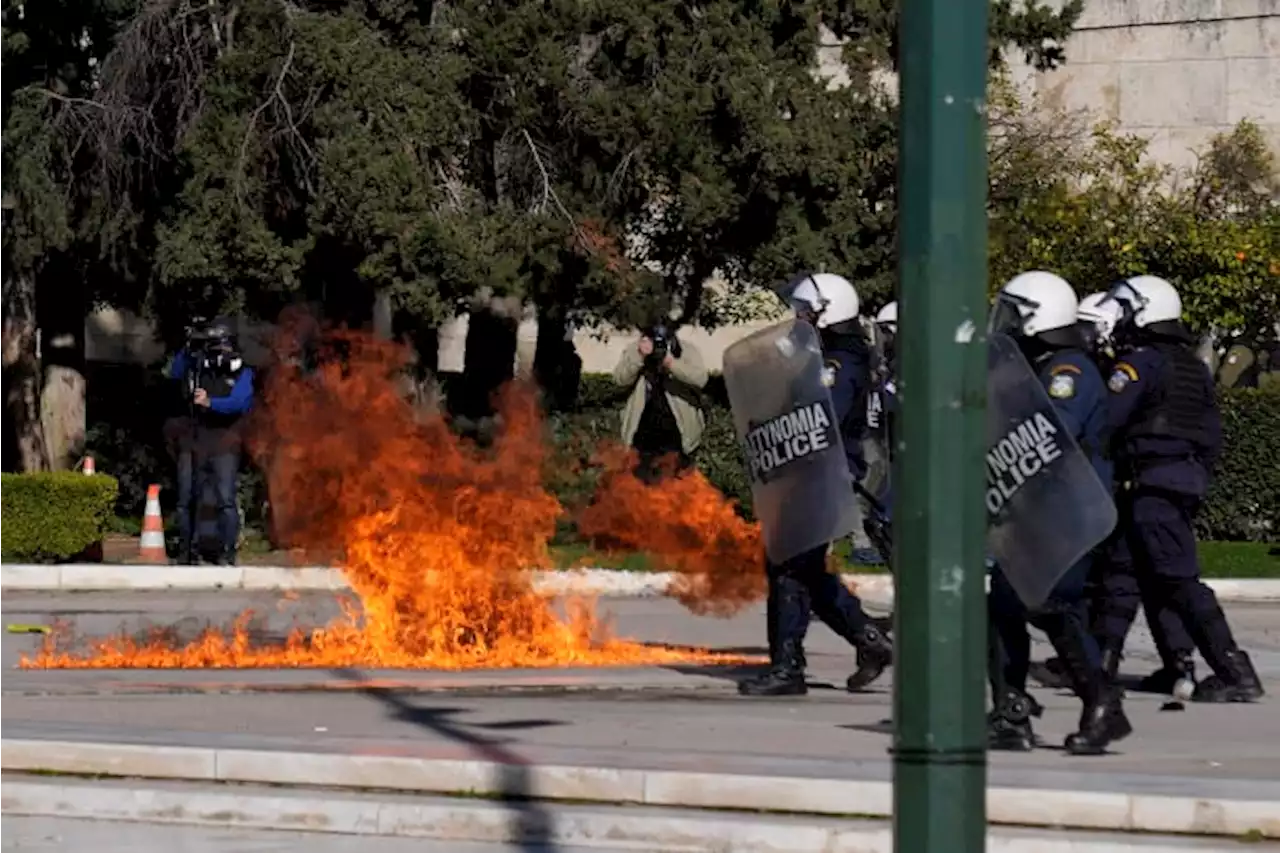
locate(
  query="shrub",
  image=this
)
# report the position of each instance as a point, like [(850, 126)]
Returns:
[(54, 516), (1244, 500), (1243, 503)]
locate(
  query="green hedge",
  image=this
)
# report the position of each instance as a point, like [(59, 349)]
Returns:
[(1244, 503), (54, 516)]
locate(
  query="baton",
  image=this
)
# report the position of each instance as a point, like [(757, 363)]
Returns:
[(869, 498)]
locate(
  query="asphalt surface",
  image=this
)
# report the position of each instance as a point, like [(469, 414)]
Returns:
[(673, 717)]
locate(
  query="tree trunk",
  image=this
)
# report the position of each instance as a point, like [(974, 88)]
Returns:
[(556, 364), (60, 312), (62, 416), (490, 357), (22, 372)]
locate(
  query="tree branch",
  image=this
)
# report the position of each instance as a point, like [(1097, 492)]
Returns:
[(276, 92)]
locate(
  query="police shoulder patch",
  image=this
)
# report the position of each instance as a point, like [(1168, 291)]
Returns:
[(1062, 386), (1121, 377), (1065, 367)]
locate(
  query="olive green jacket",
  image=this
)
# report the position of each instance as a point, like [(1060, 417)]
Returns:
[(683, 388)]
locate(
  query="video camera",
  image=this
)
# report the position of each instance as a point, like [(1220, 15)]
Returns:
[(664, 341), (211, 346)]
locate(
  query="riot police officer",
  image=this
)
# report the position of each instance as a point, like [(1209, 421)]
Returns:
[(1111, 596), (877, 488), (1167, 435), (1109, 604), (1039, 310), (802, 585), (881, 398)]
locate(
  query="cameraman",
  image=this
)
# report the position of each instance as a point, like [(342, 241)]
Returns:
[(663, 415), (217, 387)]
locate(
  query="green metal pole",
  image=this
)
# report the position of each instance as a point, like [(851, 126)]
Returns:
[(939, 780)]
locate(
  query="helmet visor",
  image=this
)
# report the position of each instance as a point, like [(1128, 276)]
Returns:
[(1009, 314), (1127, 297)]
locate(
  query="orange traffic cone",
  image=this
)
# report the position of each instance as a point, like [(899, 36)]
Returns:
[(88, 465), (151, 548)]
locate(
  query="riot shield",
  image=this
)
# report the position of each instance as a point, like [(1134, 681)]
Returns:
[(801, 487), (1046, 507)]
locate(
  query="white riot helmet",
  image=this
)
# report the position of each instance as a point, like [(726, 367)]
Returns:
[(888, 317), (823, 298), (1147, 299), (1103, 312), (1033, 303)]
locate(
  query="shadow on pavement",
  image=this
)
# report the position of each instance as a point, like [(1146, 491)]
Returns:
[(884, 727), (533, 829)]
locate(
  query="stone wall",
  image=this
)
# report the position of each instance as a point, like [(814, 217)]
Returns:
[(1175, 71)]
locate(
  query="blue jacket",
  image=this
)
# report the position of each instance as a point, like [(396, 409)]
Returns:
[(237, 402), (848, 365), (1074, 383)]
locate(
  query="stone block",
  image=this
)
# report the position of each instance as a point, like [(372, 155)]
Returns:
[(1252, 38), (115, 759), (1123, 45), (1253, 90), (1093, 87), (1173, 94), (26, 576), (777, 793), (1126, 13), (404, 773), (1082, 809)]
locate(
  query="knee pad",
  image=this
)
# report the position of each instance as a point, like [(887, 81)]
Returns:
[(1192, 597)]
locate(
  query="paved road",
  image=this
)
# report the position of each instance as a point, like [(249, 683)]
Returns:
[(677, 717), (66, 835)]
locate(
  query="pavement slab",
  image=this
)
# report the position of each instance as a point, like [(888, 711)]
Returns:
[(677, 718), (77, 835)]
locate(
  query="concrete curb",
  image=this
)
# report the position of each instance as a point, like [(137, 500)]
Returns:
[(1094, 810), (495, 822), (73, 577)]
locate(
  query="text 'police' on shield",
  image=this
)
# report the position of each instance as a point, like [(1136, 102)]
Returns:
[(801, 432), (1019, 455)]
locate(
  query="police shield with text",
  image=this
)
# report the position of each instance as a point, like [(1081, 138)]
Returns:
[(798, 393), (1167, 435), (1049, 504)]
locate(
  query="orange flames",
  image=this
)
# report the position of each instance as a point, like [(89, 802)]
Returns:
[(688, 526), (437, 537)]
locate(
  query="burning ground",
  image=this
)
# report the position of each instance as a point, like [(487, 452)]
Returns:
[(438, 537)]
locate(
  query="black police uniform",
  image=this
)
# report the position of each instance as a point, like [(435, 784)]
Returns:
[(1167, 435), (802, 585), (1076, 388), (1173, 643)]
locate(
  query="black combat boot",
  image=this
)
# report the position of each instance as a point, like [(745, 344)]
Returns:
[(1177, 678), (1233, 680), (1102, 722), (1049, 674), (784, 678), (1111, 658), (875, 654), (1009, 723)]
